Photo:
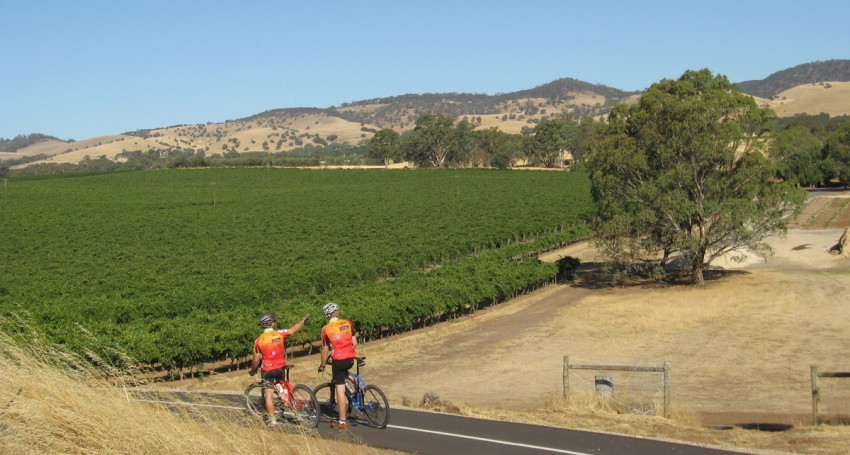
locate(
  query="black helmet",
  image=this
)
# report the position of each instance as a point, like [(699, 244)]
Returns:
[(268, 319)]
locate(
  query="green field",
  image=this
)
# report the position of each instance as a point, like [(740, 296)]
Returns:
[(175, 266)]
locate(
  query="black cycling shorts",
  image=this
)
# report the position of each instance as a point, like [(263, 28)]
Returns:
[(272, 376), (340, 370)]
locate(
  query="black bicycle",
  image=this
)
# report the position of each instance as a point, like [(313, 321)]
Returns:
[(292, 403), (364, 400)]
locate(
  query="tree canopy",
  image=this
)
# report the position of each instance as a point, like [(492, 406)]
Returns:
[(682, 174), (384, 146), (837, 154)]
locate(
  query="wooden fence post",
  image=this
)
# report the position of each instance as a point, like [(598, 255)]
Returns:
[(815, 396), (566, 377), (667, 390)]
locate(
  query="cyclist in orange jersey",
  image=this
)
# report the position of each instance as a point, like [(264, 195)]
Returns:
[(269, 347), (338, 335)]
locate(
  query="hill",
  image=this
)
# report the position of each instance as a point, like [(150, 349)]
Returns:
[(808, 73), (810, 88)]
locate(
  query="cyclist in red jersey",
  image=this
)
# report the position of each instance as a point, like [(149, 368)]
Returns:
[(338, 335), (270, 348)]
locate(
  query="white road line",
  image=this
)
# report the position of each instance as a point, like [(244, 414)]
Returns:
[(494, 441)]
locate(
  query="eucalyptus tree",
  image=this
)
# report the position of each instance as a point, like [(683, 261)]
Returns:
[(551, 138), (463, 143), (682, 173), (498, 148), (797, 152), (837, 154), (431, 143), (385, 146)]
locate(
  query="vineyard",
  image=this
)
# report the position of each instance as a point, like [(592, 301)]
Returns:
[(173, 267)]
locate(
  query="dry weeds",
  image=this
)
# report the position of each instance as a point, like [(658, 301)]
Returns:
[(51, 402)]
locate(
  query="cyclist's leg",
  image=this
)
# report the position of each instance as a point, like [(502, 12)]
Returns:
[(269, 378), (340, 374)]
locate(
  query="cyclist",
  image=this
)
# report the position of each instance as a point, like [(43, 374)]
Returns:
[(338, 335), (270, 348)]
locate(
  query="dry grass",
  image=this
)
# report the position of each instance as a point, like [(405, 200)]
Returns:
[(829, 97), (52, 402)]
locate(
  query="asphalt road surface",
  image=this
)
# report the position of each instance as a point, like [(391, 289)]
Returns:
[(429, 433)]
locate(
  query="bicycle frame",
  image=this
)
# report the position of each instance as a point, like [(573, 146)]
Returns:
[(359, 385), (364, 400), (296, 400), (285, 393)]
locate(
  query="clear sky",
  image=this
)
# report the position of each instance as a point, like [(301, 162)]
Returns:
[(80, 69)]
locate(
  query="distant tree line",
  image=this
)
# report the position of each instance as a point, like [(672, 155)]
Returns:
[(813, 151), (438, 142), (309, 155), (808, 150)]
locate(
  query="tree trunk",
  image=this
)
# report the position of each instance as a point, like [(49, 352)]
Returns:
[(698, 267)]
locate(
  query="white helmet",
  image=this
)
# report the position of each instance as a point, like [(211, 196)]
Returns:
[(329, 309)]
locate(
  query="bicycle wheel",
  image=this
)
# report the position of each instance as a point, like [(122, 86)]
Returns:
[(375, 406), (304, 405), (326, 397), (254, 400)]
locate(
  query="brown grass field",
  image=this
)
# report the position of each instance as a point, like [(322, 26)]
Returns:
[(740, 348), (53, 403)]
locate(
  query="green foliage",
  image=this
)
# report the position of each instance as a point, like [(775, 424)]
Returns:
[(384, 146), (146, 261), (837, 155), (431, 145), (820, 125), (682, 172), (551, 137), (797, 152)]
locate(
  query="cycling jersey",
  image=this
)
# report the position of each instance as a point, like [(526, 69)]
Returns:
[(338, 334), (270, 345)]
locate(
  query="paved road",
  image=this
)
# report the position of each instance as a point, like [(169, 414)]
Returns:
[(428, 433)]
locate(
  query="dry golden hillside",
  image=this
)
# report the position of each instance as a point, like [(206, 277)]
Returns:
[(832, 98), (286, 129)]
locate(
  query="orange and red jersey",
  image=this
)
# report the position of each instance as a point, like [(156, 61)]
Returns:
[(270, 345), (339, 335)]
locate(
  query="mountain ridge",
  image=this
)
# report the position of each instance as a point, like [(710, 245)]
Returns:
[(280, 130)]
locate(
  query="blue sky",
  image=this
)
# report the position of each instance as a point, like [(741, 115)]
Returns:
[(82, 69)]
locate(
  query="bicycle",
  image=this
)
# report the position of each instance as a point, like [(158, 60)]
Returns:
[(291, 402), (367, 399)]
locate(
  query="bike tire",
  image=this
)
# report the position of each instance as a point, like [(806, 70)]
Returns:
[(326, 397), (375, 407), (304, 406), (254, 400)]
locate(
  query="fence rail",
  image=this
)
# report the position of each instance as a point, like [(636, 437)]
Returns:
[(665, 370), (816, 375)]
